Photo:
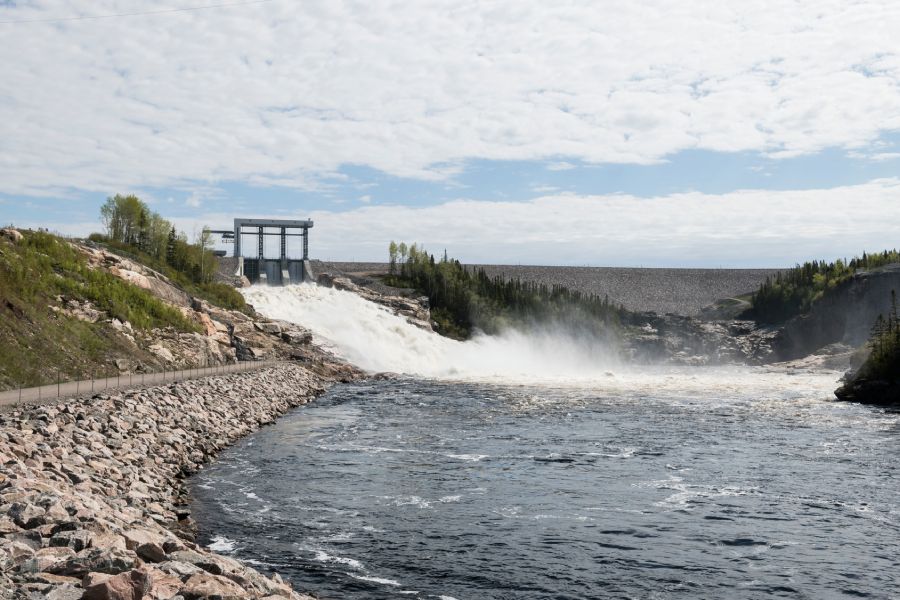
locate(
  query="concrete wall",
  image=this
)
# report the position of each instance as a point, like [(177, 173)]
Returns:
[(253, 268)]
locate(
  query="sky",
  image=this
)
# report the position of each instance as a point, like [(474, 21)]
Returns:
[(656, 133)]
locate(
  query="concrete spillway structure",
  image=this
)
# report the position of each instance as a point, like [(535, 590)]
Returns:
[(262, 268)]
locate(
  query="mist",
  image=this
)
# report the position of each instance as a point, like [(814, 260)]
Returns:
[(373, 338)]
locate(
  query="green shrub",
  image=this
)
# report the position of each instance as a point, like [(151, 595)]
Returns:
[(793, 292), (462, 300), (46, 266), (884, 345)]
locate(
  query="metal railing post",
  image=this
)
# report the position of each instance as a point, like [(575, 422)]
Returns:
[(92, 382), (57, 383)]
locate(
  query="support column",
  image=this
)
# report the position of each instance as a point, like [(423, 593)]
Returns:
[(261, 239), (237, 239), (305, 243), (283, 244)]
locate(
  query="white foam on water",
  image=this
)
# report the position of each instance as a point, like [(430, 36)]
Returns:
[(222, 545), (467, 457), (380, 580), (323, 556), (373, 338)]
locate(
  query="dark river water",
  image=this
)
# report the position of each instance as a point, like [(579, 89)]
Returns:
[(673, 489)]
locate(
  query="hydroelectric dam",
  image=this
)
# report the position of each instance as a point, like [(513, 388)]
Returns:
[(258, 260)]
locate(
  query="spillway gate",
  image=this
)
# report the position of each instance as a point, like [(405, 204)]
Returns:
[(284, 269)]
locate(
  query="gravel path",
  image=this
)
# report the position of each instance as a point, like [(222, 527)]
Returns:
[(680, 291)]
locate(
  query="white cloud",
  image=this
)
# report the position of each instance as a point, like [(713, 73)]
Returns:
[(875, 156), (751, 228), (560, 166), (284, 92), (365, 199)]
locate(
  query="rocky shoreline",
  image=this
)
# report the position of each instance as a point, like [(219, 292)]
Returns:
[(92, 502)]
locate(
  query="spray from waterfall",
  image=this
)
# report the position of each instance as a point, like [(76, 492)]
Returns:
[(373, 338)]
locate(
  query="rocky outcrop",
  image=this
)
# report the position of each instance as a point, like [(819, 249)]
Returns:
[(12, 234), (879, 392), (675, 339), (91, 504), (846, 314), (416, 310), (135, 273), (837, 324)]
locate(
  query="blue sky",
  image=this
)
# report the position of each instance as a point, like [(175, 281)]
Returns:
[(656, 133)]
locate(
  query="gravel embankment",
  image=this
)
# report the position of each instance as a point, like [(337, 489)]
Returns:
[(91, 498), (680, 291)]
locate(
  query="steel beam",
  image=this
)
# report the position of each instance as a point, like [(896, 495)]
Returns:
[(260, 225)]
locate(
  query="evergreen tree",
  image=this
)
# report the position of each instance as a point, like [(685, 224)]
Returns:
[(170, 246)]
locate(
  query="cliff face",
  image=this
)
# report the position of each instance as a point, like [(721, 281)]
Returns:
[(846, 315)]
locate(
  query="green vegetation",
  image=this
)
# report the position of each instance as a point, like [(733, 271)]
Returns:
[(462, 300), (794, 292), (133, 230), (33, 339), (884, 345)]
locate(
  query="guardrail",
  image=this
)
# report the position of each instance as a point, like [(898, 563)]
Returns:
[(68, 389)]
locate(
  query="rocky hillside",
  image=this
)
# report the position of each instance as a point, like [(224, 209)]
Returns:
[(78, 309), (844, 315)]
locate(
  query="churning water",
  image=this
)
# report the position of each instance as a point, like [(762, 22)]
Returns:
[(463, 482)]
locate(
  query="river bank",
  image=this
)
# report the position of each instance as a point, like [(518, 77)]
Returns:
[(92, 503)]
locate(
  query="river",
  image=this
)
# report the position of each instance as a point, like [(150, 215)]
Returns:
[(651, 483)]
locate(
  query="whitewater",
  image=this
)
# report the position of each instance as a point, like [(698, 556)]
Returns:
[(373, 338)]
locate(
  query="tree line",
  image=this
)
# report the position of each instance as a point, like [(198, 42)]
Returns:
[(465, 299), (131, 227), (793, 292), (129, 222)]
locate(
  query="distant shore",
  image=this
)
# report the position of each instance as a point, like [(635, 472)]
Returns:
[(683, 291)]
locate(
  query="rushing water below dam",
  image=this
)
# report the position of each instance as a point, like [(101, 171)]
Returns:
[(703, 483)]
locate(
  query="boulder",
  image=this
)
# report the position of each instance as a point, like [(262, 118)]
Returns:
[(877, 392), (162, 585), (13, 235), (140, 536), (76, 540), (179, 569), (131, 585), (162, 352), (66, 591), (207, 585), (19, 552), (27, 515), (99, 560), (269, 327), (151, 552)]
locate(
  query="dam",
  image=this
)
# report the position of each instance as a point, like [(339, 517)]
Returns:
[(255, 258)]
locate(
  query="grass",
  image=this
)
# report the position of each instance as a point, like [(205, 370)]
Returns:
[(218, 294), (35, 341)]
